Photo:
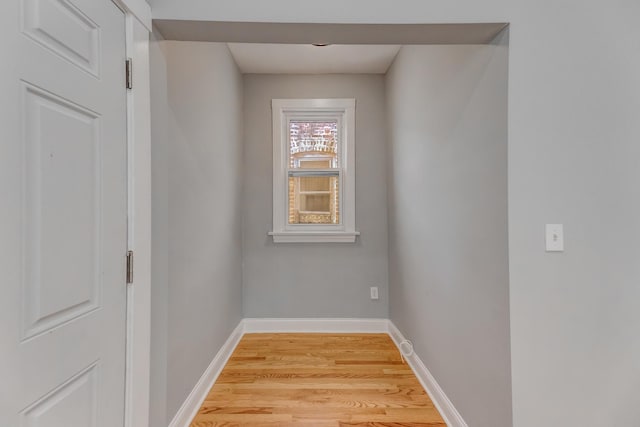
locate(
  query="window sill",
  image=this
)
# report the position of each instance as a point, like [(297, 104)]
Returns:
[(314, 237)]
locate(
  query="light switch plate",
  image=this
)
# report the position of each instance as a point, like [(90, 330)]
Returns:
[(554, 237)]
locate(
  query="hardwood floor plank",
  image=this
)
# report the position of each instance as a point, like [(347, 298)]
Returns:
[(322, 380)]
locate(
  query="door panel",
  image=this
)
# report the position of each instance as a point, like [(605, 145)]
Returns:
[(63, 155), (63, 215), (73, 404), (65, 30)]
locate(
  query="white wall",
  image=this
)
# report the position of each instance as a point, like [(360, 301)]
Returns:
[(197, 177), (574, 99), (449, 284), (314, 280)]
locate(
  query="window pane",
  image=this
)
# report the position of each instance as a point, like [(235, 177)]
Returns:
[(314, 199), (313, 144)]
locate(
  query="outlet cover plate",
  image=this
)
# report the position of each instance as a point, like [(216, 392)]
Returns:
[(554, 237)]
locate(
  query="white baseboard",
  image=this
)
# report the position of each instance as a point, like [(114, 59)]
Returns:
[(450, 414), (329, 325), (190, 407)]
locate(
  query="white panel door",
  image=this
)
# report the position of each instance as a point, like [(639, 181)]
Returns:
[(63, 194)]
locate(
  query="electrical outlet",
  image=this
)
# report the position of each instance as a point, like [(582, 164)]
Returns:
[(374, 292)]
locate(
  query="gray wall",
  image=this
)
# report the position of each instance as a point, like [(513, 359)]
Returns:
[(574, 158), (574, 99), (449, 287), (315, 280), (197, 178), (573, 148)]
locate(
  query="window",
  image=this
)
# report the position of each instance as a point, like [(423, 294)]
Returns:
[(313, 170)]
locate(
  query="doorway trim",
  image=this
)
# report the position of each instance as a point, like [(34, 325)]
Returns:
[(138, 333)]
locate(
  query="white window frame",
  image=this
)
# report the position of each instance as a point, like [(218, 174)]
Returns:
[(342, 110)]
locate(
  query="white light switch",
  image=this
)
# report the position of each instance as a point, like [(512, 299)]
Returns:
[(554, 238), (374, 292)]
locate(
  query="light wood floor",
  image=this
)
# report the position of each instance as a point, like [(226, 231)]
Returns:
[(317, 380)]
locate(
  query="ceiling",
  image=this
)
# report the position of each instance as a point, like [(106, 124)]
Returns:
[(309, 59)]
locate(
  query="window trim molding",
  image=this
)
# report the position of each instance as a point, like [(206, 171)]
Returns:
[(282, 110)]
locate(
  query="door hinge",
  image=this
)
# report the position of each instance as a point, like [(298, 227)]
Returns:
[(129, 267), (129, 73)]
